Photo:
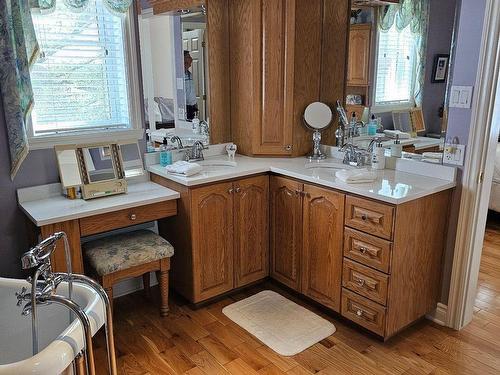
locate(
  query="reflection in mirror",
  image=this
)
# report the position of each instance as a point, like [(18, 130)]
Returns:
[(174, 57), (131, 159), (399, 64), (68, 167), (99, 163)]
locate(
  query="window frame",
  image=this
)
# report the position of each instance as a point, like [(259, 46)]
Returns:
[(136, 130), (383, 108)]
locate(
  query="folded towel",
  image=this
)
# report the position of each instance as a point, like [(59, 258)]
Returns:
[(183, 168), (394, 133), (356, 176), (432, 155)]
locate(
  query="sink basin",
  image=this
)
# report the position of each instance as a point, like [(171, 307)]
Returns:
[(217, 165), (60, 339), (328, 165)]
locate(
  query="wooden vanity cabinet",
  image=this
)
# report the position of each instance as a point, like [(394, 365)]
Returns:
[(306, 239), (220, 236), (285, 54)]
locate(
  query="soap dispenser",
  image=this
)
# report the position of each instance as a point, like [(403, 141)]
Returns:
[(397, 148), (165, 153), (378, 156)]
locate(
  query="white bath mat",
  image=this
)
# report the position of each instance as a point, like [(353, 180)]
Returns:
[(281, 324)]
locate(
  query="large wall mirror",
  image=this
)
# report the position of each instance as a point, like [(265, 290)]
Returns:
[(399, 69), (175, 59)]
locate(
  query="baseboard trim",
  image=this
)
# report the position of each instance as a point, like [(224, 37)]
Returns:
[(131, 285), (439, 316)]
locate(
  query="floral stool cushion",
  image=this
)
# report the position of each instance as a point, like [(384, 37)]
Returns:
[(122, 251)]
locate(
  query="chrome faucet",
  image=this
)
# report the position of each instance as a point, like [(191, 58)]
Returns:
[(195, 153), (177, 139)]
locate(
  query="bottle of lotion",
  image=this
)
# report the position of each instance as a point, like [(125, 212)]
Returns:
[(378, 157), (165, 153)]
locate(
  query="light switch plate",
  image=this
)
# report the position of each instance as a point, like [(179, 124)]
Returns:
[(180, 83), (461, 96), (454, 154), (181, 113)]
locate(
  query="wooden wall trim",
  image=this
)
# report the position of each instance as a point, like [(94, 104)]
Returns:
[(164, 6)]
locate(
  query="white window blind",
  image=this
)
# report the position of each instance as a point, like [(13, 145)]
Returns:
[(395, 67), (79, 81)]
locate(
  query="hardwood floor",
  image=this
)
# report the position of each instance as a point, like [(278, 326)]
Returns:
[(204, 341)]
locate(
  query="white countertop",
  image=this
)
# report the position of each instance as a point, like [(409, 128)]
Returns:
[(393, 186), (45, 205)]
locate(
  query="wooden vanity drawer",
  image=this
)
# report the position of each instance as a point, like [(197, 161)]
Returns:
[(368, 250), (364, 312), (368, 216), (127, 217), (365, 281)]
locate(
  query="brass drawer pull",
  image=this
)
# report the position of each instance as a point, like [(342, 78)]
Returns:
[(359, 313), (133, 217), (360, 282), (364, 217)]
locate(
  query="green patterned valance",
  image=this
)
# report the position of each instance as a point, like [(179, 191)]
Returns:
[(115, 6)]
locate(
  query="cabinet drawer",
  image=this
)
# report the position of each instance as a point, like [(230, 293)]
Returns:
[(368, 250), (127, 217), (365, 281), (368, 216), (364, 312)]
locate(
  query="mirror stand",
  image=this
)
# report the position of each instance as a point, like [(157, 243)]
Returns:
[(316, 152)]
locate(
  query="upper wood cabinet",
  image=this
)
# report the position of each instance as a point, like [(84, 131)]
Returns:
[(323, 226), (285, 54), (251, 230), (286, 231), (212, 239), (358, 71)]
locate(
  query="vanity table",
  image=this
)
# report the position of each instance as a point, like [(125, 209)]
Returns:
[(48, 212)]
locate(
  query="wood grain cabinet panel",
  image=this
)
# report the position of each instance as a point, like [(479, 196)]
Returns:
[(212, 240), (369, 216), (251, 230), (364, 312), (368, 250), (358, 67), (323, 222), (365, 281), (286, 231)]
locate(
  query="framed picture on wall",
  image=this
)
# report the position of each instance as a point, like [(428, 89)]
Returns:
[(440, 71)]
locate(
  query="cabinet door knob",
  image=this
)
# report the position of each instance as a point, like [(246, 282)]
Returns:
[(298, 192), (230, 191), (364, 217), (288, 147), (237, 190), (133, 217), (359, 313)]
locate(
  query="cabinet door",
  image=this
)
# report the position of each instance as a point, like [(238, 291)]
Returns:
[(251, 234), (274, 135), (212, 238), (322, 252), (358, 70), (286, 231)]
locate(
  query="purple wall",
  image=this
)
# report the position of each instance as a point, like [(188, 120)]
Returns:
[(39, 168), (464, 72)]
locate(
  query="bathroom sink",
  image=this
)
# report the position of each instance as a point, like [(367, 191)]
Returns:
[(217, 165), (60, 339)]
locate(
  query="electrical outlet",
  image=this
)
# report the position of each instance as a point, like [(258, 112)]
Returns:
[(461, 96), (180, 83), (454, 154)]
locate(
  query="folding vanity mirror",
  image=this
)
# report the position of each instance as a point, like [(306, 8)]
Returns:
[(317, 116), (99, 169)]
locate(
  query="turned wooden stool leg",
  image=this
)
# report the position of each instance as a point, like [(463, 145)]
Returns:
[(146, 280), (163, 281), (109, 292)]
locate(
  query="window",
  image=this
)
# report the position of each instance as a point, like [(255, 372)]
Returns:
[(80, 81), (396, 68)]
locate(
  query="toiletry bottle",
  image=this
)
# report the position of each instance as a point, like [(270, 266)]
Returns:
[(196, 123), (372, 126), (397, 147), (149, 143), (165, 153), (378, 157)]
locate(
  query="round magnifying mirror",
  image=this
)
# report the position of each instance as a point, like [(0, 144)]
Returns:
[(317, 116)]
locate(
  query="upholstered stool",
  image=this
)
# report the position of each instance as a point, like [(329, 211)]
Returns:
[(127, 255)]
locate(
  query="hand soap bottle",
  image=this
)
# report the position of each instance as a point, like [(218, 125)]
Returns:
[(149, 142), (165, 153), (372, 126), (196, 123), (397, 148), (378, 157)]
